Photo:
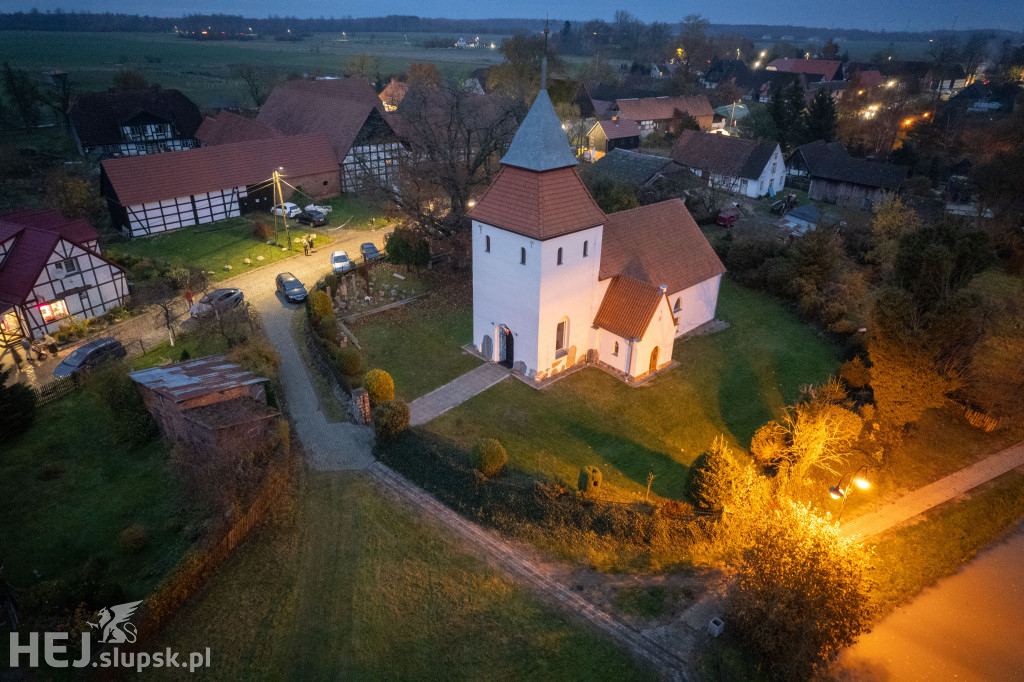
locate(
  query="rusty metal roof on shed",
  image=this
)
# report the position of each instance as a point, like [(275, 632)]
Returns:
[(195, 378)]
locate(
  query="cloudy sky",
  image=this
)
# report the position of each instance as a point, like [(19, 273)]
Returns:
[(915, 15)]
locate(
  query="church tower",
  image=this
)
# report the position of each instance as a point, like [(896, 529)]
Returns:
[(537, 237)]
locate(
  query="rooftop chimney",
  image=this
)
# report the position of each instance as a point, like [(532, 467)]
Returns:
[(662, 288)]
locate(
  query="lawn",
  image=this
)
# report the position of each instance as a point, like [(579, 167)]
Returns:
[(196, 345), (420, 344), (68, 491), (349, 587), (354, 214), (729, 383), (211, 247)]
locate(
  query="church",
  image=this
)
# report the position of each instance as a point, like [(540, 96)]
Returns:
[(556, 282)]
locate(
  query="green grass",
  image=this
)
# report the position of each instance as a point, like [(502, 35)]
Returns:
[(196, 345), (729, 383), (333, 410), (349, 587), (68, 491), (644, 601), (419, 344), (355, 214), (211, 247)]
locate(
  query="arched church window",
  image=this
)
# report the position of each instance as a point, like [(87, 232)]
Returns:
[(561, 335), (585, 245), (559, 255), (487, 243), (615, 348), (522, 255), (678, 306)]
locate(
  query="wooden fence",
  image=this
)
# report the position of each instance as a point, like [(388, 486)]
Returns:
[(56, 389)]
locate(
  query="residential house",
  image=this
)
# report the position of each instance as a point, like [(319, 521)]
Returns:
[(617, 133), (557, 283), (351, 115), (630, 168), (208, 403), (135, 122), (759, 85), (227, 128), (752, 168), (150, 195), (664, 114), (51, 270), (831, 174), (815, 69), (725, 71), (392, 95)]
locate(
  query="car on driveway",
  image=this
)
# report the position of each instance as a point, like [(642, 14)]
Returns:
[(340, 262), (217, 301), (90, 355), (314, 218), (322, 208), (287, 209), (291, 288), (370, 253)]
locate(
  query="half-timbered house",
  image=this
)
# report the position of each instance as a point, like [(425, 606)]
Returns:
[(150, 195), (51, 270), (134, 122), (665, 114)]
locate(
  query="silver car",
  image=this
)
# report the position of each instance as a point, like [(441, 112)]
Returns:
[(217, 301), (340, 262)]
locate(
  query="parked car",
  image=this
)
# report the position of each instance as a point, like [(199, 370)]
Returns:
[(291, 288), (322, 209), (370, 253), (90, 355), (287, 209), (728, 217), (217, 301), (340, 262), (312, 218)]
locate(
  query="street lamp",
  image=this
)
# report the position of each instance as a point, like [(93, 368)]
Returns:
[(839, 491)]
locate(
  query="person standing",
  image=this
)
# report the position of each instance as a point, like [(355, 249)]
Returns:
[(190, 297), (305, 247)]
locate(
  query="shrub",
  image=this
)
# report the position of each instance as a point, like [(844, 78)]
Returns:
[(391, 418), (185, 355), (320, 305), (117, 313), (589, 483), (855, 373), (674, 509), (256, 355), (349, 361), (262, 231), (134, 538), (328, 330), (379, 385), (73, 328), (115, 389), (179, 277), (331, 282), (489, 457), (713, 476), (770, 444), (17, 406)]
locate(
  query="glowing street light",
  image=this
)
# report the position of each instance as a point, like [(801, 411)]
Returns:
[(839, 491)]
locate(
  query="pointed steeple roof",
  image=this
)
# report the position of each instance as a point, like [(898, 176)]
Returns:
[(540, 143)]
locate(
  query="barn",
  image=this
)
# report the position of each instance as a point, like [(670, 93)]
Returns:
[(830, 174), (150, 195)]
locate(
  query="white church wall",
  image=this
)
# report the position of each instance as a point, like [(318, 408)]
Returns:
[(696, 305), (506, 291), (569, 290), (613, 350), (660, 334)]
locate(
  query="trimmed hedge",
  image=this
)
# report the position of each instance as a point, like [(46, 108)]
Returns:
[(489, 457), (320, 305), (391, 418), (379, 385), (348, 360)]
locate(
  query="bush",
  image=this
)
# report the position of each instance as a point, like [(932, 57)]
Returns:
[(117, 313), (17, 407), (589, 483), (391, 418), (262, 231), (489, 457), (135, 538), (179, 277), (73, 328), (379, 385), (674, 509), (327, 329), (770, 444), (712, 477), (185, 355), (256, 355), (349, 361), (855, 373), (320, 305), (331, 282), (115, 389)]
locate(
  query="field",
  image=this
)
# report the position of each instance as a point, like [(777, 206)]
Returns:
[(349, 587), (69, 489)]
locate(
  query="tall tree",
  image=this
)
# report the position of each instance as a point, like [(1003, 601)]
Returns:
[(258, 80), (692, 46), (23, 95), (821, 117), (129, 79)]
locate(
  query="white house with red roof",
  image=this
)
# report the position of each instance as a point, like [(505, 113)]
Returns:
[(556, 282), (51, 270)]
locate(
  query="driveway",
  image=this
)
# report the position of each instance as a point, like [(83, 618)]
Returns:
[(968, 627)]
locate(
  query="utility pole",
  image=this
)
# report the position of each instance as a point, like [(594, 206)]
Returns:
[(279, 201)]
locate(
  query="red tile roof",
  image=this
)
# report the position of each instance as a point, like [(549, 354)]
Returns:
[(826, 68), (628, 306), (141, 179), (337, 108), (35, 235), (539, 205), (664, 108), (619, 128), (228, 128), (871, 78), (722, 154), (393, 94), (658, 244)]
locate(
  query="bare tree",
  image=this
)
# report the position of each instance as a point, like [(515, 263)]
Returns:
[(258, 80)]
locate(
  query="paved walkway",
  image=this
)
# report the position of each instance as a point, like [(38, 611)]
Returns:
[(934, 494), (440, 400)]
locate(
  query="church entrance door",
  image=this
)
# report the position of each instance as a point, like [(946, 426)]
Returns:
[(506, 346), (654, 359)]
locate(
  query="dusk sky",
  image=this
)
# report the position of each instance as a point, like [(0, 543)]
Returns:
[(915, 15)]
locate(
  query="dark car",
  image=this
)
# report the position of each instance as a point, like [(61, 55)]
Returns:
[(370, 252), (313, 218), (90, 355), (291, 288), (217, 301)]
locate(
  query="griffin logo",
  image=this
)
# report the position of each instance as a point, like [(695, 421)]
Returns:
[(114, 626)]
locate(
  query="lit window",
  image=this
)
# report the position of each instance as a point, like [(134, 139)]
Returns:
[(559, 256), (615, 348), (53, 311), (487, 244), (522, 255), (585, 245), (9, 323)]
